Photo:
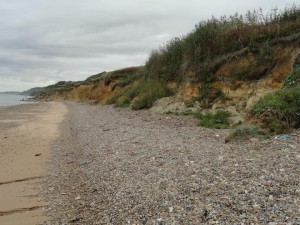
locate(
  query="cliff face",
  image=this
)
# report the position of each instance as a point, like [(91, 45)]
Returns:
[(241, 94), (97, 91), (234, 86)]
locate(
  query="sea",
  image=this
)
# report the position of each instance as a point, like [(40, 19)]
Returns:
[(12, 99)]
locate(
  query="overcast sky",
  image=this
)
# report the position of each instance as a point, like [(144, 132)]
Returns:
[(45, 41)]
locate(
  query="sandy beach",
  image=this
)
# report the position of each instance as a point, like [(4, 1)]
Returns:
[(26, 134)]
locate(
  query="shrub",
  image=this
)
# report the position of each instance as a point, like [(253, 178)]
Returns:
[(205, 89), (284, 105), (165, 63), (272, 125), (218, 120), (122, 82), (243, 133), (293, 78), (149, 91)]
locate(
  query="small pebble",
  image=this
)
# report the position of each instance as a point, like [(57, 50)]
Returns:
[(175, 175)]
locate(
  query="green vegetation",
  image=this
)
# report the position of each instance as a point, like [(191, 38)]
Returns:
[(293, 79), (140, 94), (206, 88), (122, 82), (280, 110), (123, 74), (60, 87), (96, 76), (277, 112), (272, 125), (215, 41), (208, 94), (165, 63), (282, 105), (218, 120), (245, 132)]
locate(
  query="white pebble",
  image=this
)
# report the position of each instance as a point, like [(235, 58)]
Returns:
[(292, 146), (256, 205)]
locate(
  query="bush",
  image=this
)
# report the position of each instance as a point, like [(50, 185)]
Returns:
[(293, 78), (243, 133), (149, 91), (218, 120), (272, 125), (122, 82), (165, 63), (283, 105)]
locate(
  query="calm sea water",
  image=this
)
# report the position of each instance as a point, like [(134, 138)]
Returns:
[(12, 99)]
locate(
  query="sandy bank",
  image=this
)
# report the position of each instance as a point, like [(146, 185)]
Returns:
[(26, 133)]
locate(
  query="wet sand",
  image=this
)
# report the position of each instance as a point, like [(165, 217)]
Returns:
[(26, 134)]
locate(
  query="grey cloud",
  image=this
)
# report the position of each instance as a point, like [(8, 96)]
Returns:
[(44, 41)]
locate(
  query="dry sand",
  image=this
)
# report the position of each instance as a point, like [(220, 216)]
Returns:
[(26, 134)]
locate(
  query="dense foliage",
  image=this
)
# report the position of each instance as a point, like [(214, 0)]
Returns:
[(283, 104), (213, 38)]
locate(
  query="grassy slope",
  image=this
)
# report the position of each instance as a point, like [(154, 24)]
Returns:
[(214, 41)]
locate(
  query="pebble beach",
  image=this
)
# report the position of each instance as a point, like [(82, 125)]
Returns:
[(117, 166)]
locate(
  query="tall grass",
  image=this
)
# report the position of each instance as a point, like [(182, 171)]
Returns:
[(213, 38), (165, 63)]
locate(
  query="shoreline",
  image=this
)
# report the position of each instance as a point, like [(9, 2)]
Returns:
[(27, 132)]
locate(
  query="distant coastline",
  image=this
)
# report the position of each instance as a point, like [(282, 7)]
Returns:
[(11, 93)]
